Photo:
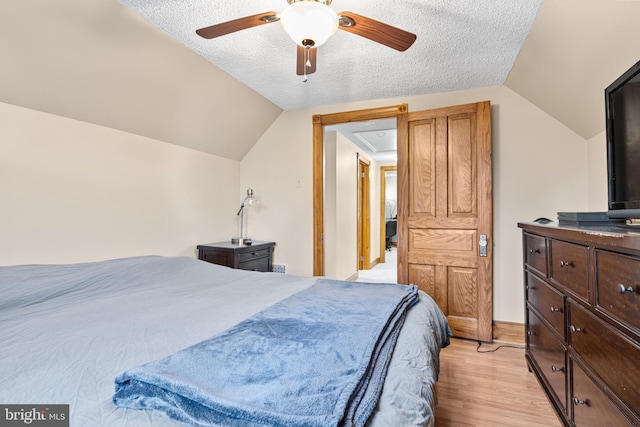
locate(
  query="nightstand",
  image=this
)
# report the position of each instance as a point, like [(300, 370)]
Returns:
[(255, 257)]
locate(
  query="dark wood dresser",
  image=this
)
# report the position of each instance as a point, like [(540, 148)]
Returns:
[(582, 319), (255, 257)]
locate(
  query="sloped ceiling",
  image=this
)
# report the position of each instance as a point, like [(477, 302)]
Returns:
[(96, 61), (575, 49), (460, 44), (99, 61)]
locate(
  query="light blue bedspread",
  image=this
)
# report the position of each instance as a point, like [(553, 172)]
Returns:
[(316, 358)]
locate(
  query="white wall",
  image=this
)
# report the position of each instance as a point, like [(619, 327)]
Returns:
[(331, 216), (71, 191), (597, 168), (346, 242), (540, 168)]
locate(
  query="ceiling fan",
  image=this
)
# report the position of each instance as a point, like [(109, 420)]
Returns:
[(310, 23)]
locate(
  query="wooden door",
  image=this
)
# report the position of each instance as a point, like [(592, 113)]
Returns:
[(445, 174)]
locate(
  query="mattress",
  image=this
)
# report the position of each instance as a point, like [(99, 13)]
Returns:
[(67, 331)]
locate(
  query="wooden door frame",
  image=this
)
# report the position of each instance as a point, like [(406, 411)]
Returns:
[(364, 211), (319, 121), (383, 219)]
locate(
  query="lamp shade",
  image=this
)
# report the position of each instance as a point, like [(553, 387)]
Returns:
[(309, 23)]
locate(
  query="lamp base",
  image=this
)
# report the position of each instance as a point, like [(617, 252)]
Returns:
[(241, 241)]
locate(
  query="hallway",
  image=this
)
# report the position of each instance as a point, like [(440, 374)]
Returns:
[(386, 272)]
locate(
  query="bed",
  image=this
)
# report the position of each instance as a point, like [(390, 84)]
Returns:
[(74, 334)]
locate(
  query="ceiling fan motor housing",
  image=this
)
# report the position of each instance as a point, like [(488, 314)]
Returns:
[(327, 2), (309, 23)]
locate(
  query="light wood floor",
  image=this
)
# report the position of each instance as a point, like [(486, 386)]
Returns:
[(489, 389)]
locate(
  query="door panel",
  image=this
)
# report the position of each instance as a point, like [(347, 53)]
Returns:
[(462, 167), (448, 208), (422, 160), (462, 292)]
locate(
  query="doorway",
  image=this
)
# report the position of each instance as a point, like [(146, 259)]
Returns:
[(388, 205), (445, 207), (399, 112)]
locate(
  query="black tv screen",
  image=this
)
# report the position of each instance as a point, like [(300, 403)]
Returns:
[(622, 99)]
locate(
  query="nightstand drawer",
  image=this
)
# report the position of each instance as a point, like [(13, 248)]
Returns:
[(569, 267), (618, 287), (547, 301), (255, 264), (254, 254)]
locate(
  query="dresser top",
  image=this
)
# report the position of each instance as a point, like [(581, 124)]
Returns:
[(609, 236)]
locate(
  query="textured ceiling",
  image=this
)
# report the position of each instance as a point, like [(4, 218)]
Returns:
[(460, 45), (100, 62), (377, 138)]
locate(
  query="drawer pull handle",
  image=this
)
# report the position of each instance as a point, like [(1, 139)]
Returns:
[(573, 329), (577, 401), (530, 333), (622, 288), (534, 251), (566, 264), (555, 309), (556, 369)]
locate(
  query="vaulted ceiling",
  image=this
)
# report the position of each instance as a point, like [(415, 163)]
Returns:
[(137, 65), (460, 44)]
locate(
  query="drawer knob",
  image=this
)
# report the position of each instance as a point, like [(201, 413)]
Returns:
[(566, 264), (556, 369), (534, 251), (530, 333), (573, 329), (622, 288), (577, 401), (555, 309)]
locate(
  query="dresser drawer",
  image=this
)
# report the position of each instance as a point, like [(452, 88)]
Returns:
[(547, 301), (549, 355), (569, 266), (253, 254), (535, 253), (591, 407), (618, 287), (611, 354)]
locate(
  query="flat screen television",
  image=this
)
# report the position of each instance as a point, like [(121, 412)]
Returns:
[(622, 104)]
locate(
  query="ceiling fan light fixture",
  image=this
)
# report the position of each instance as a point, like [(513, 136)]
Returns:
[(309, 23)]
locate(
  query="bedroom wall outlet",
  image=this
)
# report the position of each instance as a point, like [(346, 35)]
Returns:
[(278, 268)]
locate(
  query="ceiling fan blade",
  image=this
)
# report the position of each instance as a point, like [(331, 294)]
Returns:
[(311, 57), (238, 24), (377, 31)]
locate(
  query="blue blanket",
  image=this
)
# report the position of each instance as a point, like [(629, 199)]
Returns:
[(317, 358)]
